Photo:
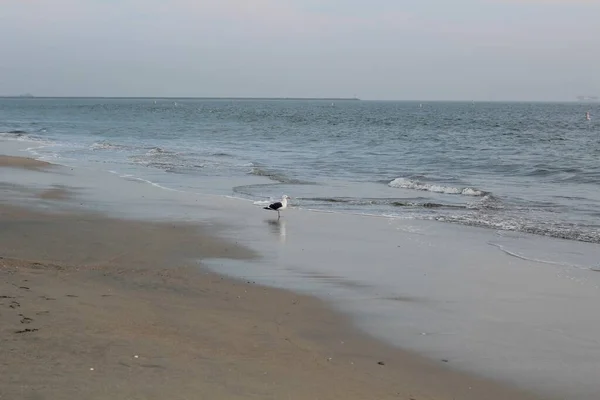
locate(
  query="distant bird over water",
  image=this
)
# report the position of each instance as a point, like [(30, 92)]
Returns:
[(279, 205)]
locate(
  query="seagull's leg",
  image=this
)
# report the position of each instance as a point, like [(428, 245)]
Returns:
[(278, 214)]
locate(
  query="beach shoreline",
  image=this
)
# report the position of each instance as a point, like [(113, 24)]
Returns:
[(98, 307)]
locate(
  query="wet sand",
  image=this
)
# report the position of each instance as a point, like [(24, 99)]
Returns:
[(55, 193), (23, 162), (101, 308)]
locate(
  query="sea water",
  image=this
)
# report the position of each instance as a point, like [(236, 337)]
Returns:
[(524, 167)]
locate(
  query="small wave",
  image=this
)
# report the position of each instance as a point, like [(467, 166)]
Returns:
[(14, 134), (505, 223), (22, 136), (487, 202), (262, 202), (542, 170), (380, 202), (404, 183), (134, 178), (276, 176), (158, 151), (267, 174), (538, 260), (328, 199), (350, 201), (426, 205), (169, 161), (106, 146)]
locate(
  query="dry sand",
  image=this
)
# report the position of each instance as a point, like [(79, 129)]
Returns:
[(99, 308)]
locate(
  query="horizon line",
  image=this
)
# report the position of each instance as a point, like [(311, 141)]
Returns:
[(27, 96), (179, 97)]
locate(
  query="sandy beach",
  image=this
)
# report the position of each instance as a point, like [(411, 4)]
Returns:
[(102, 308)]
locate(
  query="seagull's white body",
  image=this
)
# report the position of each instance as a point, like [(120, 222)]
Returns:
[(278, 205)]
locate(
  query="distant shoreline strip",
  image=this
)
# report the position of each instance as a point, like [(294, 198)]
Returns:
[(186, 98)]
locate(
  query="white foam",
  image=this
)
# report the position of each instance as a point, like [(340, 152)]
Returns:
[(22, 137), (404, 183), (105, 146), (138, 179), (538, 260), (135, 178), (159, 151)]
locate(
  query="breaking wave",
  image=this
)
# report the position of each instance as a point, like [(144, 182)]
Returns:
[(404, 183)]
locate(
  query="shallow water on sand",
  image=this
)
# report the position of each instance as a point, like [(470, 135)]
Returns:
[(449, 293)]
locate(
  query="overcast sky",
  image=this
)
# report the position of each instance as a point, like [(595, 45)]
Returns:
[(374, 49)]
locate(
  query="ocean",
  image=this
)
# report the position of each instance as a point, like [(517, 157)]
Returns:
[(524, 167)]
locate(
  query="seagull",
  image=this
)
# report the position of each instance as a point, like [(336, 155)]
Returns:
[(279, 205)]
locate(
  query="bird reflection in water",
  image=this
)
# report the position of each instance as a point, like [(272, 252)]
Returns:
[(278, 228)]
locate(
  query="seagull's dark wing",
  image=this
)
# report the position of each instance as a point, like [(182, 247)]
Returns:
[(274, 206)]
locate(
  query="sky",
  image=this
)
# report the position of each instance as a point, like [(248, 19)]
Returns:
[(494, 50)]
